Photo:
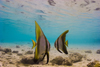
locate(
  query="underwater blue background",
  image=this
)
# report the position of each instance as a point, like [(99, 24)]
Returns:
[(17, 22)]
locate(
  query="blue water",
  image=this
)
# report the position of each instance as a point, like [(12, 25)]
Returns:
[(17, 24)]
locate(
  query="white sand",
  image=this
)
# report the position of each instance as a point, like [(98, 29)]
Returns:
[(53, 53)]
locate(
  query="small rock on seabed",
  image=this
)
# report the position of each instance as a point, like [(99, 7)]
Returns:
[(15, 51), (74, 57), (27, 60), (17, 46), (19, 54), (88, 59), (1, 49), (88, 51), (98, 51), (58, 60), (29, 52), (6, 50), (94, 64)]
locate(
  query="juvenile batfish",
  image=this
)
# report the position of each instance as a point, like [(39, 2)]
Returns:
[(60, 43), (42, 45)]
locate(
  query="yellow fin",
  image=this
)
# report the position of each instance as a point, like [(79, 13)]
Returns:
[(34, 44), (38, 31), (97, 65), (64, 34), (36, 53), (66, 43)]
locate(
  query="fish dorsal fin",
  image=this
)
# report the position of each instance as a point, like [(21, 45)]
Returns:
[(38, 31), (66, 43), (34, 44), (63, 35)]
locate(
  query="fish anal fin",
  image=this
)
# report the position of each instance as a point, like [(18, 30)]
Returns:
[(65, 50), (47, 53), (59, 50), (43, 57), (47, 57)]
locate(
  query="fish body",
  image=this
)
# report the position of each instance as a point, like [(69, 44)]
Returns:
[(42, 45), (60, 43)]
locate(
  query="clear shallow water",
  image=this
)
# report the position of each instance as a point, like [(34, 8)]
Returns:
[(70, 47), (17, 22)]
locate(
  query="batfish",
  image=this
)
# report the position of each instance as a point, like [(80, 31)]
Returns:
[(42, 44), (60, 43)]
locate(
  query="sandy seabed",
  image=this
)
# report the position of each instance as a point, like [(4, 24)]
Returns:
[(21, 56)]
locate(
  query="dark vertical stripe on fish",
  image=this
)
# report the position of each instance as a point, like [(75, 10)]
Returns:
[(58, 46), (62, 42)]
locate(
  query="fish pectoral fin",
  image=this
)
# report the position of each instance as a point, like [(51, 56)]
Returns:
[(66, 43), (34, 44)]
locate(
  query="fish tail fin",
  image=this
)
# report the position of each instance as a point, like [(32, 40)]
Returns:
[(34, 44), (66, 43)]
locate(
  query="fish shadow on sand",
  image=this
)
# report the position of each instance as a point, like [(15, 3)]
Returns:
[(30, 60), (27, 60)]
